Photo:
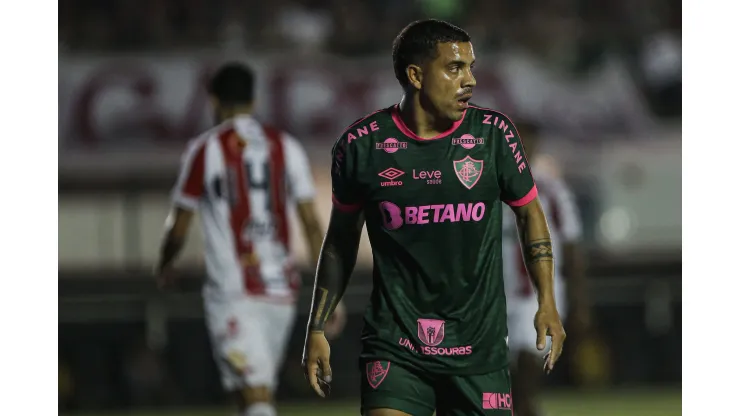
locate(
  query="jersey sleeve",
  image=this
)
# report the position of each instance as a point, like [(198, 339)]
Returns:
[(514, 175), (344, 184), (567, 215), (300, 180), (190, 183)]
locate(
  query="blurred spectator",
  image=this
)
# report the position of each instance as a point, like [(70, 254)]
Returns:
[(305, 25), (564, 74), (352, 25)]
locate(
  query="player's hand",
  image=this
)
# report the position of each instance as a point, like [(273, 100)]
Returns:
[(316, 363), (336, 322), (547, 323)]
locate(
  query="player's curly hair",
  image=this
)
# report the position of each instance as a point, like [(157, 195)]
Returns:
[(418, 41), (233, 84)]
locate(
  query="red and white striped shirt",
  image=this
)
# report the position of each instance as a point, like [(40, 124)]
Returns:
[(240, 176)]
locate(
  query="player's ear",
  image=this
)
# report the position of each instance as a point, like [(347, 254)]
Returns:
[(415, 75)]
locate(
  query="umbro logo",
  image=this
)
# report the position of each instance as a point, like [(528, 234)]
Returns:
[(391, 174)]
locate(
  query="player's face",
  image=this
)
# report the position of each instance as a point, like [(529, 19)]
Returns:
[(448, 80)]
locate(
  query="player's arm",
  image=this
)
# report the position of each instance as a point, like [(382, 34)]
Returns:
[(336, 263), (339, 250), (300, 181), (176, 229), (185, 195), (534, 235), (311, 227), (519, 191), (302, 191)]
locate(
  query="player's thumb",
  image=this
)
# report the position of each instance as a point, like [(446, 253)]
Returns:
[(541, 337), (326, 369)]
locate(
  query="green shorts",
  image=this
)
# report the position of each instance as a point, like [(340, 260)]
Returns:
[(387, 385)]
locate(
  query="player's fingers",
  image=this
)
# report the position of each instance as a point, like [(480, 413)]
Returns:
[(558, 339), (325, 369), (312, 369), (541, 337)]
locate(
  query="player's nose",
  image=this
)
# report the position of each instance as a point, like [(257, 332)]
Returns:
[(468, 80)]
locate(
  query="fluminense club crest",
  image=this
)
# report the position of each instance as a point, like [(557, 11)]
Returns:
[(468, 171), (376, 372)]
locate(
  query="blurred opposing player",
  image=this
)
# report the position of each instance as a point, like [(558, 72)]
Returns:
[(241, 177), (521, 297), (428, 176)]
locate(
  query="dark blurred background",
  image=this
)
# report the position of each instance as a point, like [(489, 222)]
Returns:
[(602, 78)]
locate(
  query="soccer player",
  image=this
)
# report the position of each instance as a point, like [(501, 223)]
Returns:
[(521, 298), (241, 177), (428, 176)]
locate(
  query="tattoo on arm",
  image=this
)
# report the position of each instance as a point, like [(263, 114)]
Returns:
[(331, 307), (336, 262), (322, 314), (331, 281), (538, 250)]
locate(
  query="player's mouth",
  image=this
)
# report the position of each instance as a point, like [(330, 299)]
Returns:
[(462, 101)]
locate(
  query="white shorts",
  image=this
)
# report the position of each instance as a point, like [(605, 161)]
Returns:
[(249, 337), (520, 320)]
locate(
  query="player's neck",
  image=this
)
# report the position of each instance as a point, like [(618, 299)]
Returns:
[(234, 112), (421, 122)]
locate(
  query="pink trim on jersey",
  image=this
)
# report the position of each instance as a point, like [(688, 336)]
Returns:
[(531, 195), (396, 116), (344, 207)]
